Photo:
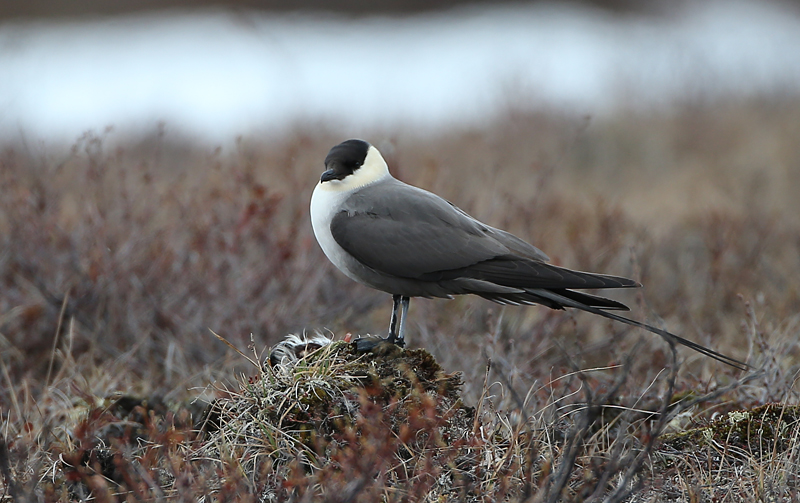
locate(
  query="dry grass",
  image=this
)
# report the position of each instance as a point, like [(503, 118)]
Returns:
[(115, 261)]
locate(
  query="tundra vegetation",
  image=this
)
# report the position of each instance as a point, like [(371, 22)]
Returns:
[(121, 258)]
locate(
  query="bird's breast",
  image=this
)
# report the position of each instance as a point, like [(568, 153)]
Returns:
[(325, 204)]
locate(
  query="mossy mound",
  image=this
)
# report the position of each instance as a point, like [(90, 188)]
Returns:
[(328, 424), (334, 413), (764, 430)]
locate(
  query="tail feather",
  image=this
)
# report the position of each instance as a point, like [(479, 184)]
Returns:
[(531, 297), (591, 300), (568, 302)]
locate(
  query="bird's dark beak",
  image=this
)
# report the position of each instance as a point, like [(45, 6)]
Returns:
[(328, 175)]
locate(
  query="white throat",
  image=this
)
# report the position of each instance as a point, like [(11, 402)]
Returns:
[(373, 170)]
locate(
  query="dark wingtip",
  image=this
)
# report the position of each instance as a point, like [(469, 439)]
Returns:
[(626, 282)]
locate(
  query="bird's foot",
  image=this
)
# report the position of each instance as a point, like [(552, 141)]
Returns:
[(378, 345), (397, 341)]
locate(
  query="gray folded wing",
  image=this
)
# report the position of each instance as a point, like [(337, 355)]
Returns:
[(407, 232)]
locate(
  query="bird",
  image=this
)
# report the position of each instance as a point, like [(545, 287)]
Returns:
[(408, 242)]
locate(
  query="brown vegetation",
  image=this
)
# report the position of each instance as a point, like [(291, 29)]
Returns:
[(118, 256)]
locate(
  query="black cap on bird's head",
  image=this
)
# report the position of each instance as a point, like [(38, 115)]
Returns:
[(344, 159)]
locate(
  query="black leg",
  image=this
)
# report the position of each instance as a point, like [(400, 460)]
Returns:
[(396, 299), (401, 341)]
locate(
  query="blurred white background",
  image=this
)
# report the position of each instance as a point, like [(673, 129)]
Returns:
[(217, 73)]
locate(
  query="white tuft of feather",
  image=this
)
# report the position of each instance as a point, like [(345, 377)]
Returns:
[(294, 347)]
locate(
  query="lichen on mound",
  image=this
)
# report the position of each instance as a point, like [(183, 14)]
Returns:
[(766, 429)]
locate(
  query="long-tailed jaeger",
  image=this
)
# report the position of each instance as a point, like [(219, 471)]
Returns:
[(409, 242)]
